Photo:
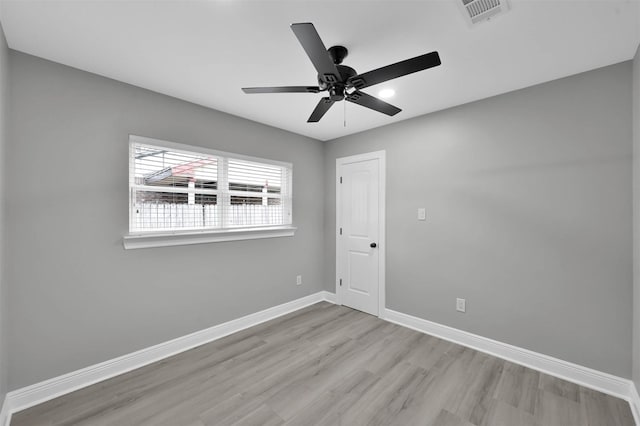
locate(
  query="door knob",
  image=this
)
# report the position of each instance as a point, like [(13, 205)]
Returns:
[(373, 245)]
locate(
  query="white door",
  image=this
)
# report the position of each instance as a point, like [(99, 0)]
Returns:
[(360, 214)]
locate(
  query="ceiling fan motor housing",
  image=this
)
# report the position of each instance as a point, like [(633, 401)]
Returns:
[(336, 85), (327, 80), (337, 88)]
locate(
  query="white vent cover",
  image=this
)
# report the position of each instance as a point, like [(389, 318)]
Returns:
[(481, 10)]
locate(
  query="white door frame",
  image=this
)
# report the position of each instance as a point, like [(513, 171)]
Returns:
[(382, 244)]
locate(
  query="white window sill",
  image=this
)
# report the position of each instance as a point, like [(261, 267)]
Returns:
[(137, 241)]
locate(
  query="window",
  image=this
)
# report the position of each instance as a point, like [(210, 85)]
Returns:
[(181, 189)]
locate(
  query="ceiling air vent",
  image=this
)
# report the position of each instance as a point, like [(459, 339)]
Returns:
[(481, 10)]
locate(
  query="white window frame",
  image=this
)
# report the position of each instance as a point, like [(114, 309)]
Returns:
[(146, 239)]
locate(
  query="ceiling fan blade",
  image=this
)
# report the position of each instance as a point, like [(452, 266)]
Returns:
[(369, 101), (320, 110), (399, 69), (316, 51), (283, 89)]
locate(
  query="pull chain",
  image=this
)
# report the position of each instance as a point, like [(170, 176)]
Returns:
[(345, 113)]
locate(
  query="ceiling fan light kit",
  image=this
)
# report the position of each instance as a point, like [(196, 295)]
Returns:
[(343, 82), (386, 93)]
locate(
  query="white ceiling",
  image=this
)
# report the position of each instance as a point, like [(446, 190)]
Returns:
[(205, 51)]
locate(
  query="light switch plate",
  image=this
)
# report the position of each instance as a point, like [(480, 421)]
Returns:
[(422, 213)]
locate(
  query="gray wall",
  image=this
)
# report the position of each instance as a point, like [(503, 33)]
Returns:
[(528, 199), (77, 297), (4, 86), (636, 219)]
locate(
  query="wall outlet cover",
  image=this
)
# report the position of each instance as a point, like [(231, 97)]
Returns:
[(461, 305)]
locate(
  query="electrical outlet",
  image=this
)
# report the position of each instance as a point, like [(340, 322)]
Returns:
[(422, 213), (299, 280), (461, 305)]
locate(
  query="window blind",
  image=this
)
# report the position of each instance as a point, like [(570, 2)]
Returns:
[(174, 188)]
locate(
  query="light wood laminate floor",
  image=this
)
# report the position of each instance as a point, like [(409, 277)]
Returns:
[(331, 365)]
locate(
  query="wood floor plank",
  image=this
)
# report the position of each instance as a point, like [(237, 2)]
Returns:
[(602, 409), (263, 416), (165, 376), (440, 385), (559, 387), (504, 414), (330, 365), (284, 320), (388, 398), (518, 386), (208, 394), (552, 409), (209, 386), (329, 408), (397, 347), (473, 397), (428, 351), (237, 408), (445, 418), (301, 327), (313, 381), (319, 378)]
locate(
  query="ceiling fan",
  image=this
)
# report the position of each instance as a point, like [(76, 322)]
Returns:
[(342, 82)]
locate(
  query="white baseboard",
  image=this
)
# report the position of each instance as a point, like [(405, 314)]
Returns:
[(23, 398), (5, 415), (329, 297), (634, 401), (29, 396), (584, 376)]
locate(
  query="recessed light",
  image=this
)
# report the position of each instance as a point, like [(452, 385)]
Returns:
[(386, 93)]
